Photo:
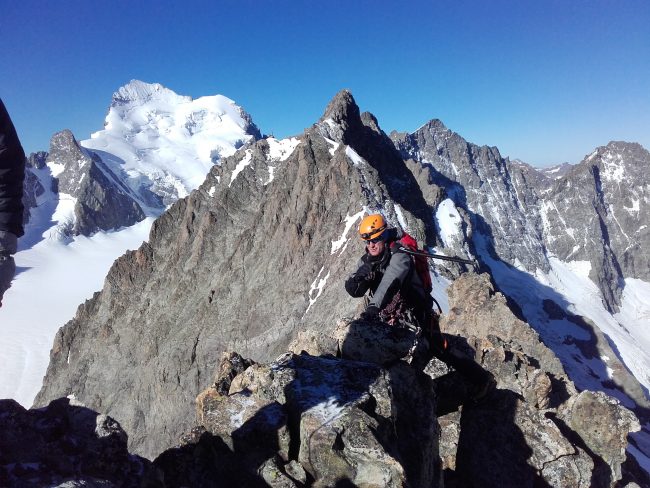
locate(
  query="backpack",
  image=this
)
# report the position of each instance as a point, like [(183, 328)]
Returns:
[(421, 262)]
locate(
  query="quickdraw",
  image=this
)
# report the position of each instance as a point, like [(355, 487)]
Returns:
[(407, 322)]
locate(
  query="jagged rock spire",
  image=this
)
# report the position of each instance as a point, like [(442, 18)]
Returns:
[(341, 107), (341, 115)]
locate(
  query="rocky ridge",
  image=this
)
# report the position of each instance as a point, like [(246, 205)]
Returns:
[(341, 408)]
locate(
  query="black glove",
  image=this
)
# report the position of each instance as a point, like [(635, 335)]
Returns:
[(367, 269), (358, 284), (370, 314)]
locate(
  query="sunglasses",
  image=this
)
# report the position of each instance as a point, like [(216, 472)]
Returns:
[(375, 240)]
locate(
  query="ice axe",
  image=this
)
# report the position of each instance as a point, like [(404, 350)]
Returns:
[(440, 256)]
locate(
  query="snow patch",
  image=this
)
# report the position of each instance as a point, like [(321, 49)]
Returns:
[(212, 190), (353, 156), (74, 401), (400, 217), (245, 161), (439, 291), (63, 217), (328, 410), (281, 150), (237, 414), (56, 168), (580, 268), (613, 168), (349, 222), (271, 175), (449, 223), (335, 145), (317, 286)]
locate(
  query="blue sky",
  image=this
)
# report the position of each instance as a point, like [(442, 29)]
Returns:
[(544, 81)]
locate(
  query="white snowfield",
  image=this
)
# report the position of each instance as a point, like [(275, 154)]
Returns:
[(53, 279)]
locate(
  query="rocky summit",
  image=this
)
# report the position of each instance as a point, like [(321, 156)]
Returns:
[(254, 261)]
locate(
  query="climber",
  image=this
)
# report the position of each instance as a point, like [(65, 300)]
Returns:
[(12, 174), (398, 295)]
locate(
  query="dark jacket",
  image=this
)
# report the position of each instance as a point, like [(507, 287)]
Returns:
[(385, 275), (12, 174)]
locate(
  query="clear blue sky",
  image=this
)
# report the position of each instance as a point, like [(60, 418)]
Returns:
[(544, 81)]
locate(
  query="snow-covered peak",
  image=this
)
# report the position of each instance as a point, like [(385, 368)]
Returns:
[(138, 92), (168, 142), (619, 162)]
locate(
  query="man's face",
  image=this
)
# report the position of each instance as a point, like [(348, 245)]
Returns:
[(375, 248)]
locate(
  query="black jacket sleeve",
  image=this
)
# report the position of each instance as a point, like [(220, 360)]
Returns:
[(12, 174), (359, 282)]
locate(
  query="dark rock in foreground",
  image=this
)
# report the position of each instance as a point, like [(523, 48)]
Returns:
[(65, 444)]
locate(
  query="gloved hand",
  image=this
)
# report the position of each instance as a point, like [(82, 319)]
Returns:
[(359, 283), (370, 314), (366, 271), (8, 244)]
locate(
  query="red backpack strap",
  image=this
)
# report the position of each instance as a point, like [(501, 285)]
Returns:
[(408, 241)]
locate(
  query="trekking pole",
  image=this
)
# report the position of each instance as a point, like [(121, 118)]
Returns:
[(440, 256)]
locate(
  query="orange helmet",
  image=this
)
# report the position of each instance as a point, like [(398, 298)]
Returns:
[(372, 227)]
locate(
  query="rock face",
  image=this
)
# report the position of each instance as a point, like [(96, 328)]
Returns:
[(101, 200), (241, 264), (499, 195), (607, 193), (32, 187)]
